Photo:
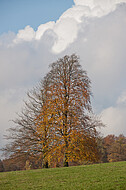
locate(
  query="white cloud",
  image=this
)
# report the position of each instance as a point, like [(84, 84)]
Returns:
[(89, 3), (26, 34), (104, 5), (115, 117), (91, 8), (101, 45), (66, 28), (42, 28), (7, 39), (122, 99), (76, 13)]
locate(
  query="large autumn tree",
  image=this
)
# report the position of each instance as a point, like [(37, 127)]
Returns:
[(70, 93), (57, 123)]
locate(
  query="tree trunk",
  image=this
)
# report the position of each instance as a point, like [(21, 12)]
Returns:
[(45, 165), (66, 164)]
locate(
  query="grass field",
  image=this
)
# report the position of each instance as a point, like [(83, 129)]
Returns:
[(108, 176)]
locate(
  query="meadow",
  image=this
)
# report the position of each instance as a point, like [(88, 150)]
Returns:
[(105, 176)]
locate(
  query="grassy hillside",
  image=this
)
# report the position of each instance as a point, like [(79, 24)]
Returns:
[(108, 176)]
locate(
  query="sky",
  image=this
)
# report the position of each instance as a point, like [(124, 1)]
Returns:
[(16, 14), (35, 33)]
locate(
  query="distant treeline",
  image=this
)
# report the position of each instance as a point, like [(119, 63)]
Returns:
[(111, 149)]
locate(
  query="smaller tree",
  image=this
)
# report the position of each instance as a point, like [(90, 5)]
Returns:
[(113, 148), (27, 165), (1, 166), (117, 150), (102, 150)]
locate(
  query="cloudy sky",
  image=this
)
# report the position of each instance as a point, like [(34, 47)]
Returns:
[(34, 33)]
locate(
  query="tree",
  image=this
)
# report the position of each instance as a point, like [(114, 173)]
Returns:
[(1, 166), (117, 150), (57, 122), (69, 102), (113, 148)]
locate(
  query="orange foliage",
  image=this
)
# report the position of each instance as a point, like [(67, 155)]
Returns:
[(62, 120)]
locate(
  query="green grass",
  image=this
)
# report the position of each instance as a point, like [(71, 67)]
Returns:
[(108, 176)]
